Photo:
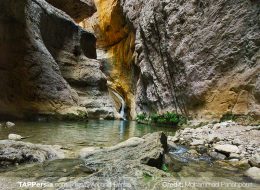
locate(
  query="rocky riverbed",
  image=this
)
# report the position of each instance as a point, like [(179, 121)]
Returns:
[(226, 152), (226, 142)]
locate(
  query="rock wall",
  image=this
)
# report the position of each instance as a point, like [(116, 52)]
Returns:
[(77, 9), (48, 64), (198, 57)]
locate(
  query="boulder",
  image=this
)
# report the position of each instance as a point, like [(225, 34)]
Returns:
[(226, 148), (135, 157), (12, 152), (253, 173), (255, 160), (217, 156)]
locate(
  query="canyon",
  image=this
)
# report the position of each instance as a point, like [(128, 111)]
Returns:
[(197, 58), (142, 93)]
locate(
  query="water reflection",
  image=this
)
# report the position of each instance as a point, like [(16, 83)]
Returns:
[(78, 134)]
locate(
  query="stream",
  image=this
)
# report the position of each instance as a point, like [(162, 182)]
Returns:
[(75, 136)]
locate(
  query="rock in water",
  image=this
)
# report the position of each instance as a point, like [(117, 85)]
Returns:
[(9, 124), (12, 152), (217, 156), (253, 173), (14, 137), (131, 159)]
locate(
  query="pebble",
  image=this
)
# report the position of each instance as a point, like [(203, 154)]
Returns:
[(9, 124)]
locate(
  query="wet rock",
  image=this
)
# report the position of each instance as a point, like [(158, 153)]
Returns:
[(132, 142), (9, 124), (202, 149), (193, 152), (12, 152), (14, 137), (253, 173), (217, 155), (136, 157), (88, 151), (242, 164), (255, 160), (226, 148)]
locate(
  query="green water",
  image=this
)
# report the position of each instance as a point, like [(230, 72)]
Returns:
[(74, 136)]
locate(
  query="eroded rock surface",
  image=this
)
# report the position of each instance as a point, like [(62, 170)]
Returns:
[(128, 163), (13, 152), (77, 9), (199, 57), (47, 64), (115, 44)]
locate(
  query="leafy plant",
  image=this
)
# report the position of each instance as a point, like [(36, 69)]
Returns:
[(141, 117), (166, 118), (165, 168)]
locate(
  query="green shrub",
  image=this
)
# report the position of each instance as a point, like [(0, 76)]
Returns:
[(141, 117), (166, 118)]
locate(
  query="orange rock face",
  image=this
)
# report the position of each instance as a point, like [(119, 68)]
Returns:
[(116, 41)]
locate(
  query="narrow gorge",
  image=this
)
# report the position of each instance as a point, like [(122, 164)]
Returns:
[(150, 90)]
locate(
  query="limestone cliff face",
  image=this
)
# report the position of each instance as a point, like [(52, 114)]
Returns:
[(115, 44), (47, 64), (199, 57)]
